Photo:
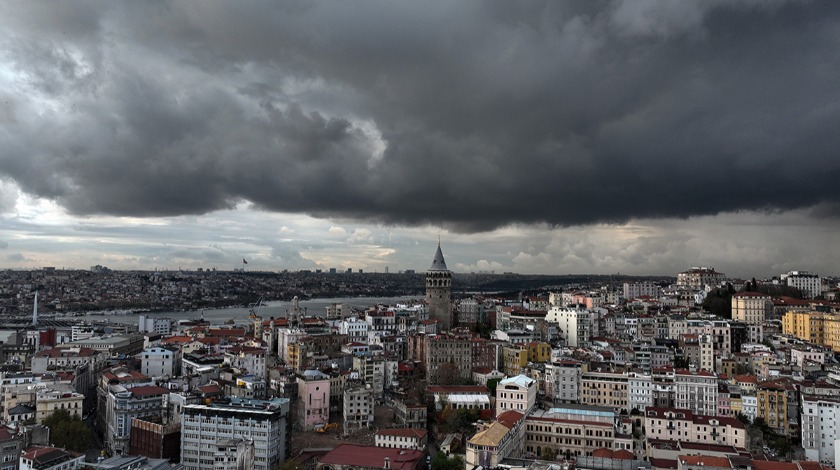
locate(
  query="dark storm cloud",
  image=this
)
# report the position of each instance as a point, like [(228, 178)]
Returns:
[(471, 115)]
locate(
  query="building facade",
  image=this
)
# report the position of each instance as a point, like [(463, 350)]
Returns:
[(263, 421)]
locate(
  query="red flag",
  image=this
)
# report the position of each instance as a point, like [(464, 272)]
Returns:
[(243, 261)]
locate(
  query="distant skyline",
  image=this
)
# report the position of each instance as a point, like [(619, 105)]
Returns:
[(642, 137)]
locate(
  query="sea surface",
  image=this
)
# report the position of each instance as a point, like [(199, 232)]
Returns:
[(239, 315)]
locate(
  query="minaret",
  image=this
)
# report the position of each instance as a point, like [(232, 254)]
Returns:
[(439, 291)]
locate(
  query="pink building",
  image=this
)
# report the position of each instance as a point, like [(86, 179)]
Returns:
[(313, 399)]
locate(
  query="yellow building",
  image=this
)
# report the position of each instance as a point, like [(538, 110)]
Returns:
[(514, 359), (815, 327), (772, 398), (539, 352)]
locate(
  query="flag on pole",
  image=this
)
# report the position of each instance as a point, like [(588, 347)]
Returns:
[(243, 261)]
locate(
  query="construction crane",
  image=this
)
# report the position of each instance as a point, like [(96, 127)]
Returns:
[(255, 309)]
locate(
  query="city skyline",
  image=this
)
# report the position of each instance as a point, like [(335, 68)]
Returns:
[(544, 138)]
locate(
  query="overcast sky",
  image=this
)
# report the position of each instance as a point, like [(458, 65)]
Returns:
[(639, 137)]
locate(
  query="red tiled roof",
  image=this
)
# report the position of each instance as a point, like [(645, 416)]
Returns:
[(373, 457), (148, 390), (177, 339), (510, 418), (620, 454), (226, 332), (705, 460), (663, 463), (211, 389)]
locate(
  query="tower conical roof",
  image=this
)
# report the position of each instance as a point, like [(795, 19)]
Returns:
[(438, 264)]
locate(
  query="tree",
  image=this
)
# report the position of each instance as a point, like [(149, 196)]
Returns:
[(491, 385), (442, 462), (719, 301), (68, 432), (549, 453)]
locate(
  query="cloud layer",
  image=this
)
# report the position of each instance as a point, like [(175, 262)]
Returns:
[(471, 116)]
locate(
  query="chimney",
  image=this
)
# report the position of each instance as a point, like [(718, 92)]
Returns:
[(387, 463)]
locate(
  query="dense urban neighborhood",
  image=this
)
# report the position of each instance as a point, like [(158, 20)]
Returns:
[(694, 371)]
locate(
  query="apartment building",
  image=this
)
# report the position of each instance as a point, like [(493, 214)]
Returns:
[(820, 428), (160, 361), (696, 391), (682, 425), (809, 283), (752, 308), (562, 379), (125, 404), (777, 404), (573, 324), (263, 421), (358, 405), (699, 277), (607, 389), (448, 359)]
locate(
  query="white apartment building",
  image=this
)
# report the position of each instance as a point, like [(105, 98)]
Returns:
[(696, 392), (160, 326), (358, 405), (809, 283), (574, 324), (159, 362), (749, 406), (123, 405), (285, 337), (202, 426), (355, 329), (517, 393), (81, 332), (639, 391), (820, 428), (562, 379), (638, 289), (248, 359)]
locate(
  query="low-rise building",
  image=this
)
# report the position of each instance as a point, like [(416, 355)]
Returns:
[(517, 394), (404, 438), (497, 441), (569, 430), (685, 426), (50, 458), (361, 457)]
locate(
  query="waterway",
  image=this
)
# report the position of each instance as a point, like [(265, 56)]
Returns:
[(239, 315)]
